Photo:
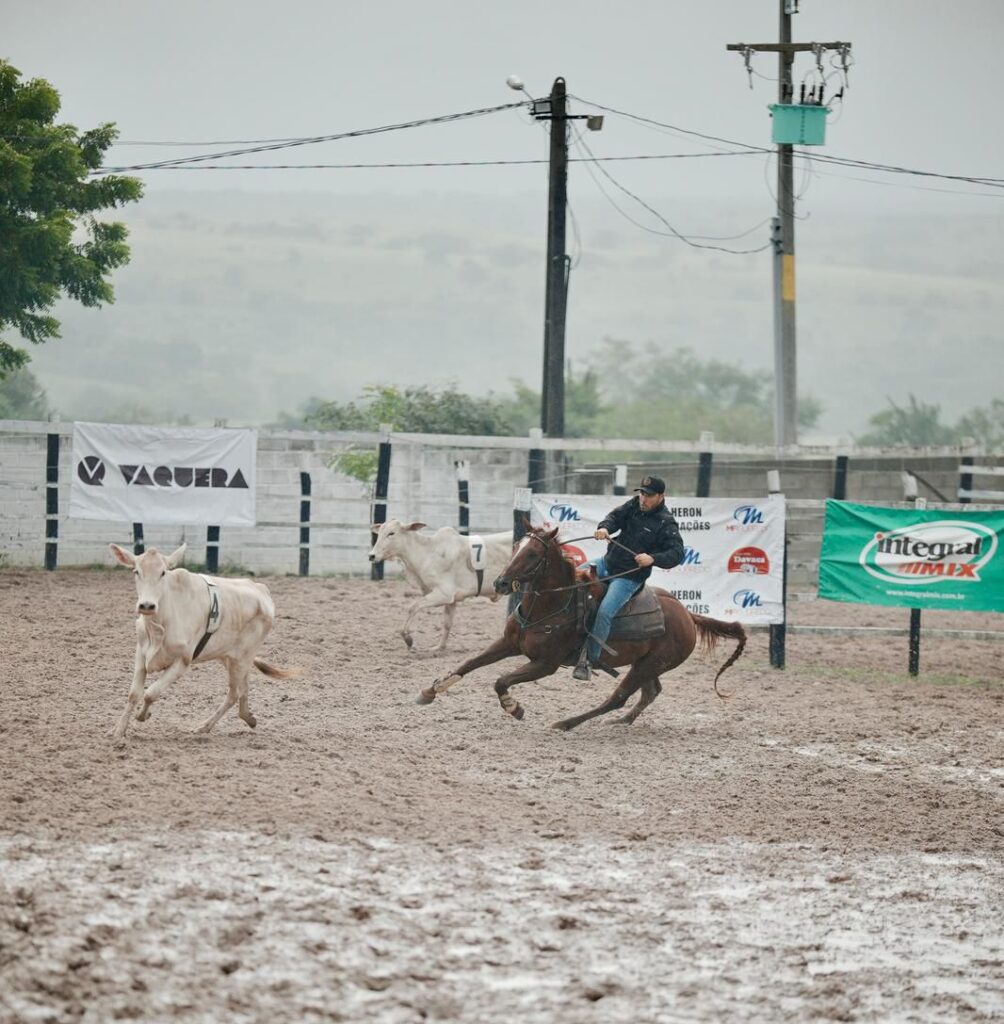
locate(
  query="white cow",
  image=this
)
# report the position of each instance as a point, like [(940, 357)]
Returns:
[(442, 566), (183, 618)]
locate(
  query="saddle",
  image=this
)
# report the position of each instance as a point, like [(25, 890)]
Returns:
[(640, 619)]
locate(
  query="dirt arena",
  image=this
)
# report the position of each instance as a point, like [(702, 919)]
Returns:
[(825, 846)]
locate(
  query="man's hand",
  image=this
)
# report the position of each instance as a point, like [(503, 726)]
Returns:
[(601, 534), (643, 560)]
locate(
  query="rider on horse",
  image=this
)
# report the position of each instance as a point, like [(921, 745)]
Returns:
[(648, 536)]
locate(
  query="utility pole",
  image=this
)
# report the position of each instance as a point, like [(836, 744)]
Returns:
[(552, 399), (554, 108), (783, 225)]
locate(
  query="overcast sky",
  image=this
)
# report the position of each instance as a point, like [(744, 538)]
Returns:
[(923, 94)]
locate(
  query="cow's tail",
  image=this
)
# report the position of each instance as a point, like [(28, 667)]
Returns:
[(710, 631), (274, 671)]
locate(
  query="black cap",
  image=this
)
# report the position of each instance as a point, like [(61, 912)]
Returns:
[(651, 485)]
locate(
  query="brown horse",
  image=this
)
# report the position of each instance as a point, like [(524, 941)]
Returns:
[(546, 626)]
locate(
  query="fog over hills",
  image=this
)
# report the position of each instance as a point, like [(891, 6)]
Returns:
[(242, 305)]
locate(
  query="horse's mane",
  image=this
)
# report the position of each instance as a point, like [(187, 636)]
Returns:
[(567, 562)]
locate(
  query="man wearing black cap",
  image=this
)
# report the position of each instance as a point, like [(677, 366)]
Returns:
[(648, 536)]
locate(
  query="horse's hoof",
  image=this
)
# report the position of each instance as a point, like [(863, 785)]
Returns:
[(251, 721), (408, 640), (426, 696), (518, 712), (561, 726)]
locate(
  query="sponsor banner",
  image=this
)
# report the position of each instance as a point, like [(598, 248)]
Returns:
[(163, 475), (733, 563), (912, 558)]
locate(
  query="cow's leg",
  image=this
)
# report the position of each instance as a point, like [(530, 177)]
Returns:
[(434, 599), (244, 712), (233, 691), (173, 672), (501, 648), (534, 670), (135, 692), (449, 610)]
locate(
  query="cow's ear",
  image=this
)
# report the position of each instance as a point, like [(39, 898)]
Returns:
[(174, 559), (375, 527), (416, 526), (123, 556)]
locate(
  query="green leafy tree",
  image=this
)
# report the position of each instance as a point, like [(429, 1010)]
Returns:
[(417, 410), (22, 397), (53, 243), (583, 404), (676, 395), (916, 424), (985, 426)]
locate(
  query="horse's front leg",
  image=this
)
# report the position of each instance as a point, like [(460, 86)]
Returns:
[(533, 670), (504, 647)]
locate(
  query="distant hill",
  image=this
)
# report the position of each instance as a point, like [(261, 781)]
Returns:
[(239, 306)]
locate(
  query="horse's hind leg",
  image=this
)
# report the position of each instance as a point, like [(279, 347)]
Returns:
[(616, 700), (650, 689)]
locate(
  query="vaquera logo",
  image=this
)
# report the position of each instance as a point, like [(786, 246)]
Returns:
[(564, 513), (747, 599), (930, 552), (691, 557)]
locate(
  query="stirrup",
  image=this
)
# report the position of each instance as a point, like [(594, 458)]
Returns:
[(582, 667)]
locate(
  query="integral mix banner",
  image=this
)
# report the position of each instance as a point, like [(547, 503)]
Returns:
[(733, 566), (916, 558), (167, 475)]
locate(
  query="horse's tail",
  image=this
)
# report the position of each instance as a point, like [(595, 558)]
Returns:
[(710, 631)]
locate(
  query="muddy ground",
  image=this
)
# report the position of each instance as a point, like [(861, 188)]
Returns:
[(825, 846)]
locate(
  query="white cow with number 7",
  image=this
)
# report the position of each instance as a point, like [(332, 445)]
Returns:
[(446, 566)]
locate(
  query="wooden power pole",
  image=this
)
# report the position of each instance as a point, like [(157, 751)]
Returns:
[(783, 229)]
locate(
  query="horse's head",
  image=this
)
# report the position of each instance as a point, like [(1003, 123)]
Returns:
[(528, 560)]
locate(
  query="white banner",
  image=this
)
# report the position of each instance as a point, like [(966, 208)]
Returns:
[(733, 565), (163, 475)]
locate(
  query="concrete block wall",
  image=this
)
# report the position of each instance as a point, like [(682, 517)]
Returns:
[(422, 487)]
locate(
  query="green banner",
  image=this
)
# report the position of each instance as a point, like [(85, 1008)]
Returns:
[(913, 557)]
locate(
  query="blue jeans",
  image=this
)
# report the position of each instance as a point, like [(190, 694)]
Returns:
[(619, 592)]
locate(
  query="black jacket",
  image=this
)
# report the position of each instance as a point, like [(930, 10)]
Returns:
[(652, 533)]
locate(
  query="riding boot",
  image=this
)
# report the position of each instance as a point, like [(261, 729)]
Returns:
[(582, 669)]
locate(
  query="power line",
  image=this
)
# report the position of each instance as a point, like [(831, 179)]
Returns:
[(845, 161), (270, 147), (641, 202)]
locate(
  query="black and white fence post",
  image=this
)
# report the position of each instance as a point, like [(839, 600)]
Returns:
[(779, 630), (138, 544), (380, 493), (840, 478), (304, 524), (910, 494), (212, 549), (463, 496), (535, 463), (620, 479), (521, 504), (704, 466), (51, 500)]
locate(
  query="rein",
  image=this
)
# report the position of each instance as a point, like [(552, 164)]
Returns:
[(599, 579)]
